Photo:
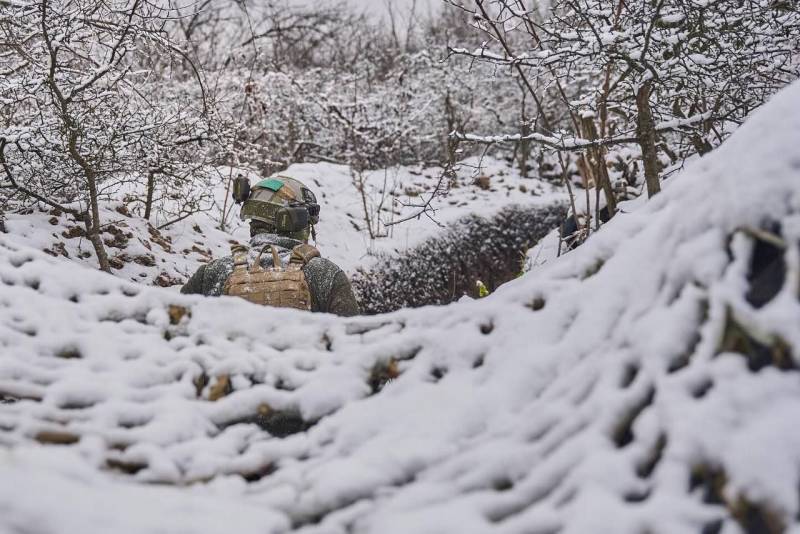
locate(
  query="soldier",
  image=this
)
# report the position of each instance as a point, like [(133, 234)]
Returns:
[(280, 268)]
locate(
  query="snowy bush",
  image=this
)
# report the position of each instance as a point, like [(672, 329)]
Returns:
[(446, 267)]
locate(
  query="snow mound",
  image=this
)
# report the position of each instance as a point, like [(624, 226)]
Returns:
[(645, 382), (137, 250)]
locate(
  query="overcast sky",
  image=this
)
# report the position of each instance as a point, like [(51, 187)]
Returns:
[(380, 8)]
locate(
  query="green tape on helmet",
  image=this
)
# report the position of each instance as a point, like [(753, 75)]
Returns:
[(284, 204), (270, 183)]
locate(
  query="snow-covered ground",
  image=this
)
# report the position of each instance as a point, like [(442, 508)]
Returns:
[(342, 236), (616, 389), (170, 256)]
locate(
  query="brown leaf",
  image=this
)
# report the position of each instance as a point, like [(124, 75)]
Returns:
[(176, 313), (221, 388)]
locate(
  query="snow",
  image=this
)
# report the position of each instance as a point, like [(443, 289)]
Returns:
[(342, 210), (145, 509), (673, 18), (342, 234), (583, 397)]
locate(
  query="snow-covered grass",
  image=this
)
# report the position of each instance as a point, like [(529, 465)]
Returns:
[(616, 389)]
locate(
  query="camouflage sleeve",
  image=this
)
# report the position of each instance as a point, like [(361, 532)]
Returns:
[(342, 301), (195, 284)]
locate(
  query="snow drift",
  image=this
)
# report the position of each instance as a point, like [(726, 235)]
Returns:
[(635, 385)]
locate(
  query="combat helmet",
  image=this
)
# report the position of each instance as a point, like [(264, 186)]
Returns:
[(282, 205)]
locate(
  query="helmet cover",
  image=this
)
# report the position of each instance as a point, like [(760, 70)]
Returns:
[(284, 204)]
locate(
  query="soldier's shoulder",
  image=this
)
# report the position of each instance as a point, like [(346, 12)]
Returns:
[(220, 267), (216, 266), (219, 262), (210, 277), (322, 264)]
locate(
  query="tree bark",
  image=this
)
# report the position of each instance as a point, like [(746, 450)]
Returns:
[(91, 222), (524, 144), (646, 132), (151, 185), (600, 170)]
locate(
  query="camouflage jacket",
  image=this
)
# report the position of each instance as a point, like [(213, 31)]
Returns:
[(329, 286)]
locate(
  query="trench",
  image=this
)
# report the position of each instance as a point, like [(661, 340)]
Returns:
[(444, 268)]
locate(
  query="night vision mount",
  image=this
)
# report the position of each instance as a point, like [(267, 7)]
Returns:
[(241, 189)]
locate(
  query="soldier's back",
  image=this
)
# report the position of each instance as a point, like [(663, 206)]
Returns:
[(328, 285)]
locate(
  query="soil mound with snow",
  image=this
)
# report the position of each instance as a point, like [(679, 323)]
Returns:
[(645, 382)]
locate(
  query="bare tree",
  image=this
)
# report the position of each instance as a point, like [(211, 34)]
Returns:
[(671, 77), (77, 117)]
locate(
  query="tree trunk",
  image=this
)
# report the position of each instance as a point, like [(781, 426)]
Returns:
[(92, 220), (600, 170), (151, 185), (93, 227), (646, 132), (586, 171), (93, 233), (358, 182), (453, 124), (524, 144), (702, 146)]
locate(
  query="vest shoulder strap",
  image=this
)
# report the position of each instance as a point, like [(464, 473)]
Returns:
[(239, 253), (302, 254)]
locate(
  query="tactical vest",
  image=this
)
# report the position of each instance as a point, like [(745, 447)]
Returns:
[(283, 287)]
